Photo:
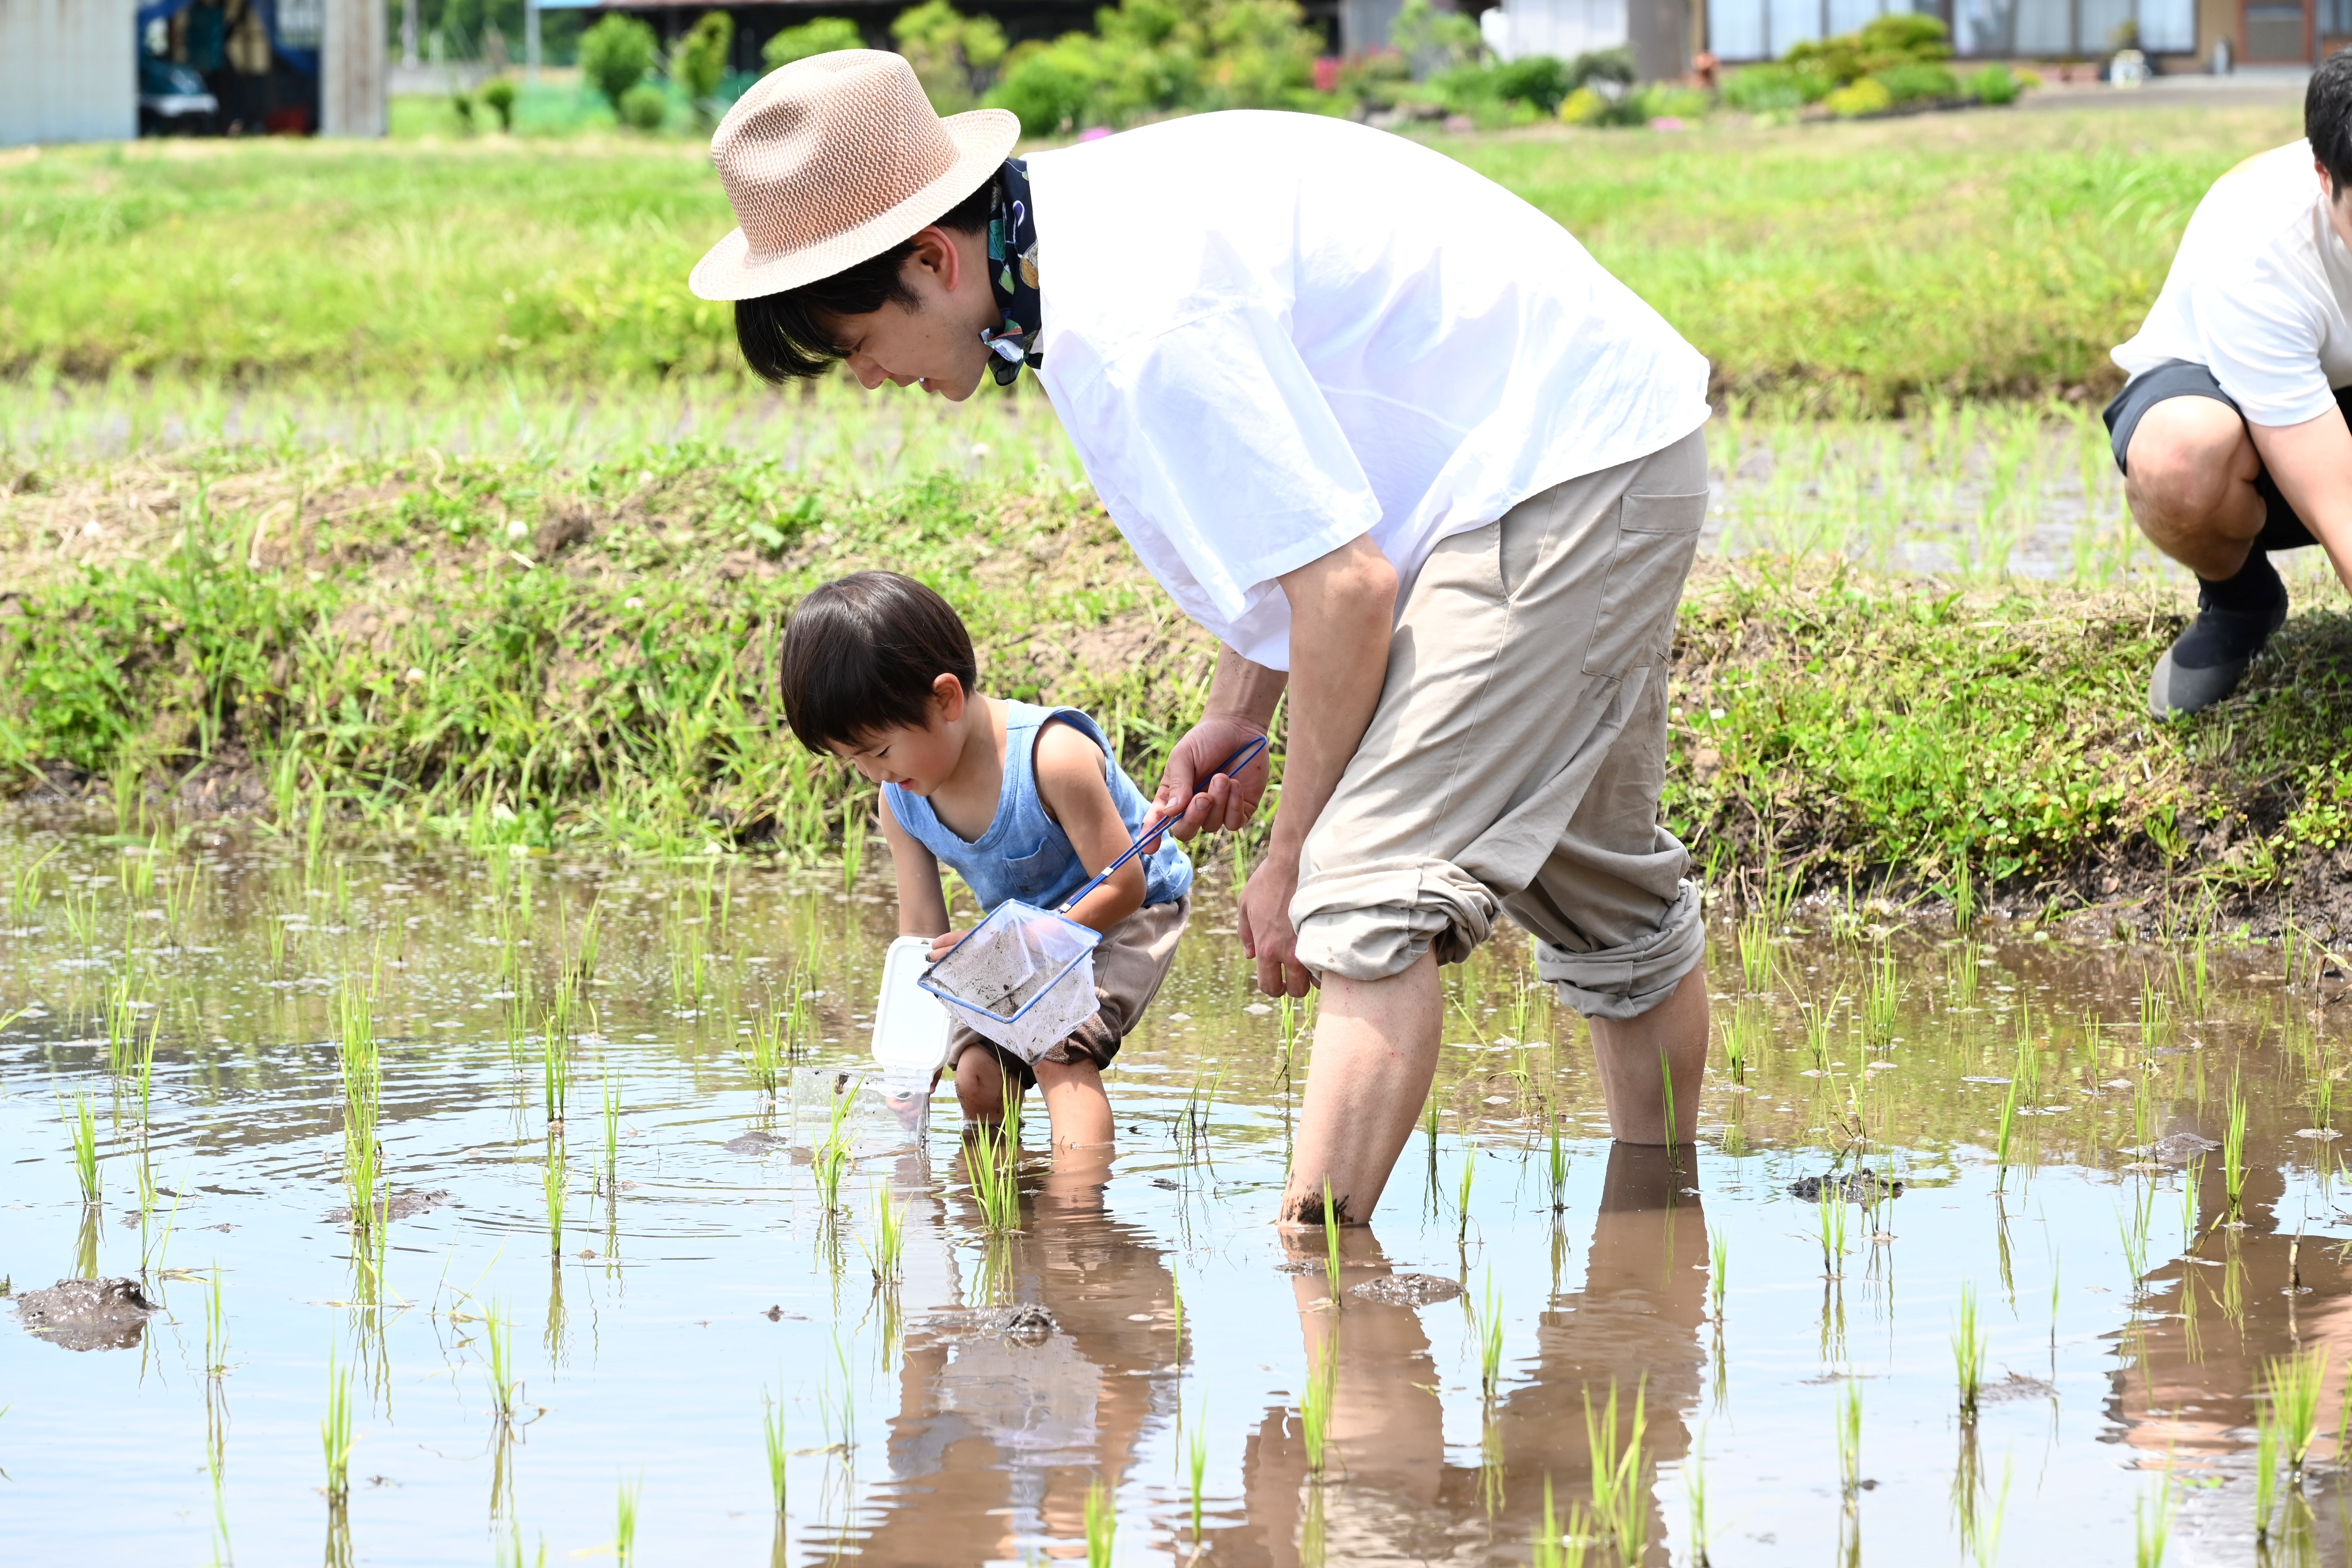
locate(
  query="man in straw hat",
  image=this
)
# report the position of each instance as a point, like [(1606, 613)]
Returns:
[(1399, 442)]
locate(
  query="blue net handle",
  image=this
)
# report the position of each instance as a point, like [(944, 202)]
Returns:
[(1153, 830)]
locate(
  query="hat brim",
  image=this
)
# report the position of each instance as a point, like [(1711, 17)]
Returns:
[(729, 271)]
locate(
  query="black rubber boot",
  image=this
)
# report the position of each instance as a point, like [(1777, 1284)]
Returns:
[(2235, 621)]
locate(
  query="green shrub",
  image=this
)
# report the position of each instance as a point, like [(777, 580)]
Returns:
[(645, 107), (1995, 84), (1051, 86), (1900, 38), (616, 56), (498, 94), (954, 56), (699, 64), (822, 37), (1917, 80), (1776, 87), (1153, 57), (1868, 96)]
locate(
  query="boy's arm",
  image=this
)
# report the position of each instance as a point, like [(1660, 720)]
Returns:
[(1070, 779), (923, 907)]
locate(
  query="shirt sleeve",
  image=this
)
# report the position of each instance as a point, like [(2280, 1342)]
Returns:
[(1215, 436), (2261, 332)]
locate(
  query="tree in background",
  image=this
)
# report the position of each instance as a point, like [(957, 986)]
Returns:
[(699, 63), (822, 37), (954, 56), (1157, 56), (616, 54)]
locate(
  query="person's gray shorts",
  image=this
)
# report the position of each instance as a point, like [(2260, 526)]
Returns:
[(1516, 756)]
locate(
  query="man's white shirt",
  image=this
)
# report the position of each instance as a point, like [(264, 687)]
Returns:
[(2258, 292), (1268, 334)]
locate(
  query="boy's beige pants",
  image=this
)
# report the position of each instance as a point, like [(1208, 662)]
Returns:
[(1516, 758)]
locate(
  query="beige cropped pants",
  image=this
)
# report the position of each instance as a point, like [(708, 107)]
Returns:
[(1516, 758)]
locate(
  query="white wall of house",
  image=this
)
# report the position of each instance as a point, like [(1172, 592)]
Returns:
[(1563, 27), (1764, 29), (68, 70)]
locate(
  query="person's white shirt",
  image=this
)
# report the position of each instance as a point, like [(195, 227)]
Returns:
[(1268, 334), (2257, 293)]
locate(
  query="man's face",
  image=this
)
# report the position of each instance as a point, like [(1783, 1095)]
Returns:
[(935, 342)]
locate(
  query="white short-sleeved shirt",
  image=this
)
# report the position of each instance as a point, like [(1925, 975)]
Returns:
[(2257, 293), (1268, 334)]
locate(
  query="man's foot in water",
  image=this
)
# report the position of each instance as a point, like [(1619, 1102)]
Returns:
[(2235, 621)]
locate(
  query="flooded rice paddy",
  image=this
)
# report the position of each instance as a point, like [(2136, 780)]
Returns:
[(696, 1321)]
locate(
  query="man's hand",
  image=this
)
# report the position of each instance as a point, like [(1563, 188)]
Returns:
[(1265, 930), (944, 942), (1211, 800)]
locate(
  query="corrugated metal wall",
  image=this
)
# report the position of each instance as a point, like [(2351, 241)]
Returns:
[(68, 70)]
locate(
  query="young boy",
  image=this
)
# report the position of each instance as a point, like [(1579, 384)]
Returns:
[(1023, 802)]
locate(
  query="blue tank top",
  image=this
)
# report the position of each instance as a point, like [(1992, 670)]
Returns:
[(1024, 854)]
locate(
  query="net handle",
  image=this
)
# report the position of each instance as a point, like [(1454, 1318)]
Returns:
[(1152, 831)]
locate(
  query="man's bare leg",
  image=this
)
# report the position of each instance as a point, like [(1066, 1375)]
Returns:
[(2191, 486), (1633, 1056), (1375, 1051)]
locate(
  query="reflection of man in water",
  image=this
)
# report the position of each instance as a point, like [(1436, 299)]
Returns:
[(1635, 1323), (1000, 1436)]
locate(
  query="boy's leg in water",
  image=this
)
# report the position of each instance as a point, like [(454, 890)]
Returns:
[(1076, 1104), (983, 1083)]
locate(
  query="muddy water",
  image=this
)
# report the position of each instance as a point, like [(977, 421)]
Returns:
[(963, 1414)]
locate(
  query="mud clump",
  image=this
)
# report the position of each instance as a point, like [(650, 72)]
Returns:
[(403, 1205), (2176, 1147), (1863, 1186), (1029, 1324), (88, 1314), (1407, 1289)]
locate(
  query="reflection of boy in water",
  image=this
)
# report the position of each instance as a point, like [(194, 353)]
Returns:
[(1000, 1435)]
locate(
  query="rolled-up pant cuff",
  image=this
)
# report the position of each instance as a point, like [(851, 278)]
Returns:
[(1627, 981)]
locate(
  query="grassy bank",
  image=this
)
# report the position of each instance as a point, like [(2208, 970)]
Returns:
[(1847, 266), (516, 651)]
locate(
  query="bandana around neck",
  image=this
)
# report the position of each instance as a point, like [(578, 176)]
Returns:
[(1013, 276)]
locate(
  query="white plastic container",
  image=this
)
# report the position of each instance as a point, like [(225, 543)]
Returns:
[(1023, 978), (910, 1031)]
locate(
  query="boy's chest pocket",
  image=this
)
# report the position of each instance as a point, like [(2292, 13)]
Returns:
[(1037, 873)]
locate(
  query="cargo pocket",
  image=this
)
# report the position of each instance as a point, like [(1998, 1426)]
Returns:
[(1657, 536)]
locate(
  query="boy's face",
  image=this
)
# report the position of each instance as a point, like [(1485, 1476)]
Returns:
[(917, 758)]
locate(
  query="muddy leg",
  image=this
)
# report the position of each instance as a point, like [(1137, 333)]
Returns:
[(1633, 1056), (1375, 1051)]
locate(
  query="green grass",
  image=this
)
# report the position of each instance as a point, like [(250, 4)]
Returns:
[(1854, 265)]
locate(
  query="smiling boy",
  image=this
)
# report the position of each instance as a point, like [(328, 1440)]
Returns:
[(1392, 437)]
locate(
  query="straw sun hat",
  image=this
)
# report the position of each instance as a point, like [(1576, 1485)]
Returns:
[(833, 159)]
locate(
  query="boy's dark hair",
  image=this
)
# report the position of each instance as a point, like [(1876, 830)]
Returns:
[(2327, 118), (860, 655), (789, 336)]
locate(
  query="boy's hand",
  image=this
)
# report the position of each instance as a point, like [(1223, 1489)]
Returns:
[(945, 941)]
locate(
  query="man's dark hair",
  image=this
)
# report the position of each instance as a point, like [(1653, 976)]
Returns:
[(861, 654), (2327, 118), (790, 336)]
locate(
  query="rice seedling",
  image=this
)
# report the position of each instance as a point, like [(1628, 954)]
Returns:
[(1330, 1241), (2233, 1151), (335, 1431), (1849, 1438), (143, 1074), (25, 890), (1196, 1467), (2192, 1177), (766, 1051), (2293, 1389), (1315, 1403), (2152, 1525), (1695, 1490), (1666, 1095), (832, 1155), (83, 1127), (497, 1331), (1964, 897), (1967, 965), (1558, 1166), (555, 1067), (1743, 1037), (1487, 1322), (216, 1326), (1176, 1296), (1620, 1503), (1462, 1188), (1968, 1353), (887, 1251), (1755, 940), (2003, 1134), (1830, 1210), (771, 1431), (625, 1524), (1102, 1525), (611, 1087), (1719, 1273), (551, 1181), (1818, 1019), (1881, 995), (838, 1409), (1561, 1542), (2266, 1468)]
